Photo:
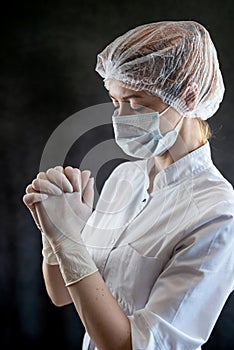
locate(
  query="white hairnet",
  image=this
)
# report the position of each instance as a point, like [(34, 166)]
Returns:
[(164, 58)]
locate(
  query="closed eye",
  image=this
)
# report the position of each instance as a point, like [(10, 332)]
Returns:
[(138, 108), (134, 107)]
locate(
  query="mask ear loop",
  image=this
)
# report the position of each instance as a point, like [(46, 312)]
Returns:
[(179, 121), (165, 110)]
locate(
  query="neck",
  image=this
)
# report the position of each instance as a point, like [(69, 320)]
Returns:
[(189, 139)]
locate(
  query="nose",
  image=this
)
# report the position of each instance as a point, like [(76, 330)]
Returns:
[(124, 109)]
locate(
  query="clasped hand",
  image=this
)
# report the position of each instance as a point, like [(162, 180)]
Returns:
[(60, 201)]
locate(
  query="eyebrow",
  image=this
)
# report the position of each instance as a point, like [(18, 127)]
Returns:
[(127, 97)]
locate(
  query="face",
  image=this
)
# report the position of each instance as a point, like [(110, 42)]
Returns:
[(130, 102)]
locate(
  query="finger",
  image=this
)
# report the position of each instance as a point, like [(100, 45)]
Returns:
[(59, 179), (45, 186), (30, 199), (85, 175), (77, 174), (74, 176), (88, 194), (59, 168), (42, 175), (30, 189)]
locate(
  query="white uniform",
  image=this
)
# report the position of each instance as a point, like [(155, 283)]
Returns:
[(167, 256)]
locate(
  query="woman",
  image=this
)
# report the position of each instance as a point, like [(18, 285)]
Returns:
[(154, 264)]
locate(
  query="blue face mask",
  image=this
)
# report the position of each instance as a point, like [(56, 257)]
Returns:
[(139, 135)]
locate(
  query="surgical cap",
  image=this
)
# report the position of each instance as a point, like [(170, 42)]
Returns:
[(165, 59)]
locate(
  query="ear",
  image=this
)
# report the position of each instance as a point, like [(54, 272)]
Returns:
[(190, 96)]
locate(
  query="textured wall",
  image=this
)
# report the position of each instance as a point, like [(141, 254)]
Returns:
[(48, 54)]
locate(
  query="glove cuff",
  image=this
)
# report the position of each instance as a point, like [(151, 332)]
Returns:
[(47, 251), (75, 262)]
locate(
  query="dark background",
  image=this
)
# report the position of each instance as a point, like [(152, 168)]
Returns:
[(47, 60)]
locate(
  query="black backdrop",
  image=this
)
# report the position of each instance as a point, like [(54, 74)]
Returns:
[(48, 54)]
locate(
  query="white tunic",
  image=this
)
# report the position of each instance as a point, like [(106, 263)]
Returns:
[(168, 256)]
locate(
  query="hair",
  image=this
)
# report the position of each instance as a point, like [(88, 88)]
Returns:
[(205, 130), (204, 125)]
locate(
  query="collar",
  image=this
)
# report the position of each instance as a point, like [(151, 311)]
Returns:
[(187, 166)]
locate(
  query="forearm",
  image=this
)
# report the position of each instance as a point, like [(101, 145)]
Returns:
[(55, 285), (62, 217), (104, 320)]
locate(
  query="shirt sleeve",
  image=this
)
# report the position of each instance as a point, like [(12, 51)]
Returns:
[(189, 294)]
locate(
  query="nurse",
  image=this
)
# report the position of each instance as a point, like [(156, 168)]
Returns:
[(153, 265)]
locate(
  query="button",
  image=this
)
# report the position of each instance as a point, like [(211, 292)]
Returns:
[(144, 200)]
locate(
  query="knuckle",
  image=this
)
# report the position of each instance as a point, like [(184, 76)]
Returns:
[(27, 199), (41, 175), (69, 167), (58, 168), (50, 171), (35, 183), (29, 189)]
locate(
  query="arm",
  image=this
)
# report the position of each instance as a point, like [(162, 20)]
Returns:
[(100, 313), (54, 282), (104, 320), (55, 285), (189, 294)]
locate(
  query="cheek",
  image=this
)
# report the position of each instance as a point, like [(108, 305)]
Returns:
[(168, 123)]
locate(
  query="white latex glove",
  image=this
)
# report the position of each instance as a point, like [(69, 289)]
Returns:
[(30, 199), (62, 218)]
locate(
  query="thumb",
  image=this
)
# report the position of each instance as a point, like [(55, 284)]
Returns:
[(88, 194)]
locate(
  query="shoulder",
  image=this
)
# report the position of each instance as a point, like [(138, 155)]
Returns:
[(215, 203), (126, 166), (212, 189)]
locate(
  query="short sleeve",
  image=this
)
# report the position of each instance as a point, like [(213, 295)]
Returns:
[(187, 298)]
